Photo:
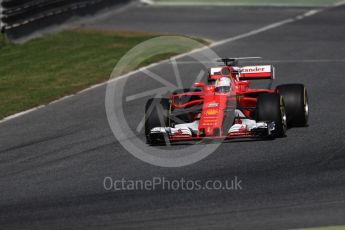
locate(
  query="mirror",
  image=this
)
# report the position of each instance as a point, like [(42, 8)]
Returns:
[(199, 84)]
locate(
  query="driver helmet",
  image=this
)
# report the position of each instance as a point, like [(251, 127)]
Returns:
[(223, 85)]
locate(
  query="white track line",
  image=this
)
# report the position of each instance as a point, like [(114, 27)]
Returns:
[(191, 3), (147, 2), (21, 113), (210, 3), (222, 42), (340, 3)]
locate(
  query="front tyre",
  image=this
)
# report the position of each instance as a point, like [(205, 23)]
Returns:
[(156, 115), (296, 104), (270, 107)]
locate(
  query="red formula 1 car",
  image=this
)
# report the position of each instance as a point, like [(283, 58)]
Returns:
[(226, 107)]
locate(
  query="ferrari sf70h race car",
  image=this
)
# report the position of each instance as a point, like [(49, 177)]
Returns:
[(225, 107)]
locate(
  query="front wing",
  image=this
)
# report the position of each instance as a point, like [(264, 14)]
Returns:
[(262, 130)]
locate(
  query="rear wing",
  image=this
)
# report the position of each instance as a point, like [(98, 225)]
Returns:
[(256, 72)]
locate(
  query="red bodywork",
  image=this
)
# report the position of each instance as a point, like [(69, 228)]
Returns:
[(214, 104)]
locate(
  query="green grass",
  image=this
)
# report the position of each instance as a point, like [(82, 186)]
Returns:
[(2, 41), (48, 68), (257, 2)]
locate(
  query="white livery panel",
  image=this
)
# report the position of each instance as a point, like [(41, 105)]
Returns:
[(257, 72)]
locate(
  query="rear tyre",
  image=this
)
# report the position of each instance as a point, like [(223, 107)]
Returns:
[(296, 104), (270, 107), (156, 115)]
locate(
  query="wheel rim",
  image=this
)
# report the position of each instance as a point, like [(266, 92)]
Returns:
[(283, 114), (306, 106), (284, 119)]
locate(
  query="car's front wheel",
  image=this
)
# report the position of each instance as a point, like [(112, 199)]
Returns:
[(296, 103), (270, 107), (156, 115)]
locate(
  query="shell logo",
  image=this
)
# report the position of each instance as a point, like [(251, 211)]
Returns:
[(211, 112)]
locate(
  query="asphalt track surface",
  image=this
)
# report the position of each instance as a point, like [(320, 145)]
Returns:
[(53, 161), (214, 23)]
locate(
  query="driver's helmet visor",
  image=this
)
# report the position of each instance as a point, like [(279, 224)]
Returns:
[(223, 85), (223, 89)]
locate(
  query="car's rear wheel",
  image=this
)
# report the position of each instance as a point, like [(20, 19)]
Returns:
[(156, 115), (270, 107), (296, 103)]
